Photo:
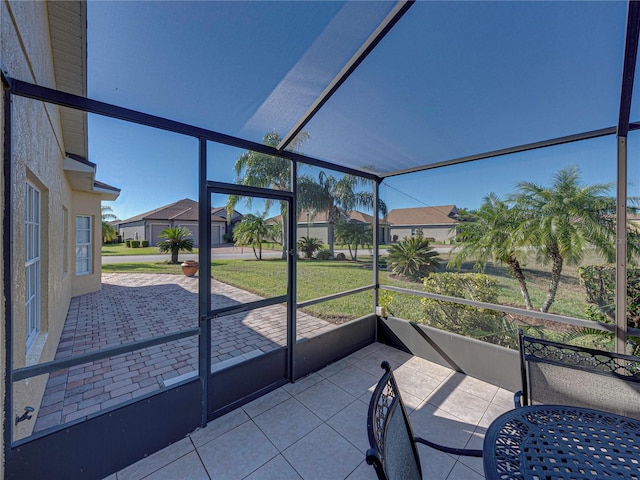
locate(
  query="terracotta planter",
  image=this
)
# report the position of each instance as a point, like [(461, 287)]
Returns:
[(189, 267)]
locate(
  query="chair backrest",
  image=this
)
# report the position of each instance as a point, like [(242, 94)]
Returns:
[(556, 373), (393, 451)]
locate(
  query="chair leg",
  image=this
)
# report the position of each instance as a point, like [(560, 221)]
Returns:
[(453, 451)]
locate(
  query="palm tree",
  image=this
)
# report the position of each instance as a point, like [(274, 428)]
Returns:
[(354, 234), (331, 195), (413, 258), (257, 169), (309, 246), (175, 241), (252, 231), (488, 234), (562, 221), (108, 230)]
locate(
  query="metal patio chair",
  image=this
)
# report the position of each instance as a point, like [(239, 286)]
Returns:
[(556, 373), (393, 452)]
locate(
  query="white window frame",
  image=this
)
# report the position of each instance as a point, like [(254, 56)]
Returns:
[(84, 260), (32, 261)]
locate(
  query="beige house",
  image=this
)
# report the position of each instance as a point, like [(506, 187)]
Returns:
[(436, 222), (55, 198), (315, 225), (183, 213)]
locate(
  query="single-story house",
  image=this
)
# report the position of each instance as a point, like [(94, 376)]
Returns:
[(315, 225), (183, 213), (436, 222), (55, 198)]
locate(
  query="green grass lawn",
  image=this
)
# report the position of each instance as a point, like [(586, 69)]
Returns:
[(267, 278), (120, 249)]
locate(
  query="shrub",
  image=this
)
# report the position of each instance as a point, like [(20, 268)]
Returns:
[(227, 238), (309, 246), (394, 238), (127, 243), (480, 323), (599, 282), (135, 243), (144, 243), (341, 256), (413, 258), (323, 254)]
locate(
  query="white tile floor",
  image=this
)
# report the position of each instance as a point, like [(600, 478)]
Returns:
[(316, 428)]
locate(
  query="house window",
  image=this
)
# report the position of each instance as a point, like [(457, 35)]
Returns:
[(32, 261), (65, 246), (83, 245)]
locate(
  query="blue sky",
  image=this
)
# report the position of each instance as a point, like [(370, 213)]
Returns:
[(483, 76)]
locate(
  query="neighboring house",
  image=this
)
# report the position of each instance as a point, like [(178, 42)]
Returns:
[(436, 222), (55, 199), (316, 225), (183, 213)]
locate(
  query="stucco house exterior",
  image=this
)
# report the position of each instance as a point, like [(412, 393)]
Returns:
[(436, 222), (183, 213), (55, 201), (315, 225), (400, 223)]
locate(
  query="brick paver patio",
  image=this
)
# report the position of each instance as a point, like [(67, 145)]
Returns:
[(133, 307)]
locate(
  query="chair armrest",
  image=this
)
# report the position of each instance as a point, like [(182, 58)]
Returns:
[(517, 398), (453, 451)]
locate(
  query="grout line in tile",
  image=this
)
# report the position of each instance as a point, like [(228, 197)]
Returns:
[(200, 458)]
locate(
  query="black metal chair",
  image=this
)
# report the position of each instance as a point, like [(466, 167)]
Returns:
[(393, 452), (560, 374)]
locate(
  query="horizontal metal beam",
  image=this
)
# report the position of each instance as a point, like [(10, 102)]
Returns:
[(365, 49), (267, 302), (308, 303), (247, 191), (44, 94), (52, 366), (516, 311), (506, 151)]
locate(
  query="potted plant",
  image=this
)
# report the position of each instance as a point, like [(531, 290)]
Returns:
[(189, 267)]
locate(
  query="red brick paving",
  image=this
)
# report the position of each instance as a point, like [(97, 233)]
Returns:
[(132, 307)]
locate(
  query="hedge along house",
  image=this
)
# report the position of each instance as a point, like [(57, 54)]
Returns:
[(183, 213), (510, 86)]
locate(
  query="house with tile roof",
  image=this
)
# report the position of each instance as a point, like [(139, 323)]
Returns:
[(183, 213), (315, 225), (436, 222)]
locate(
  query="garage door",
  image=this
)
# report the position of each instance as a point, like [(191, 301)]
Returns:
[(155, 233), (216, 237)]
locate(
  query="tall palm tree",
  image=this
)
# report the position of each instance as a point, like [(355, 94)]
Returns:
[(488, 234), (252, 231), (255, 169), (561, 221), (329, 194), (354, 234), (108, 230)]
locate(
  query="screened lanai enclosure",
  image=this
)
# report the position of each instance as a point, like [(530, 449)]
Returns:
[(499, 134)]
